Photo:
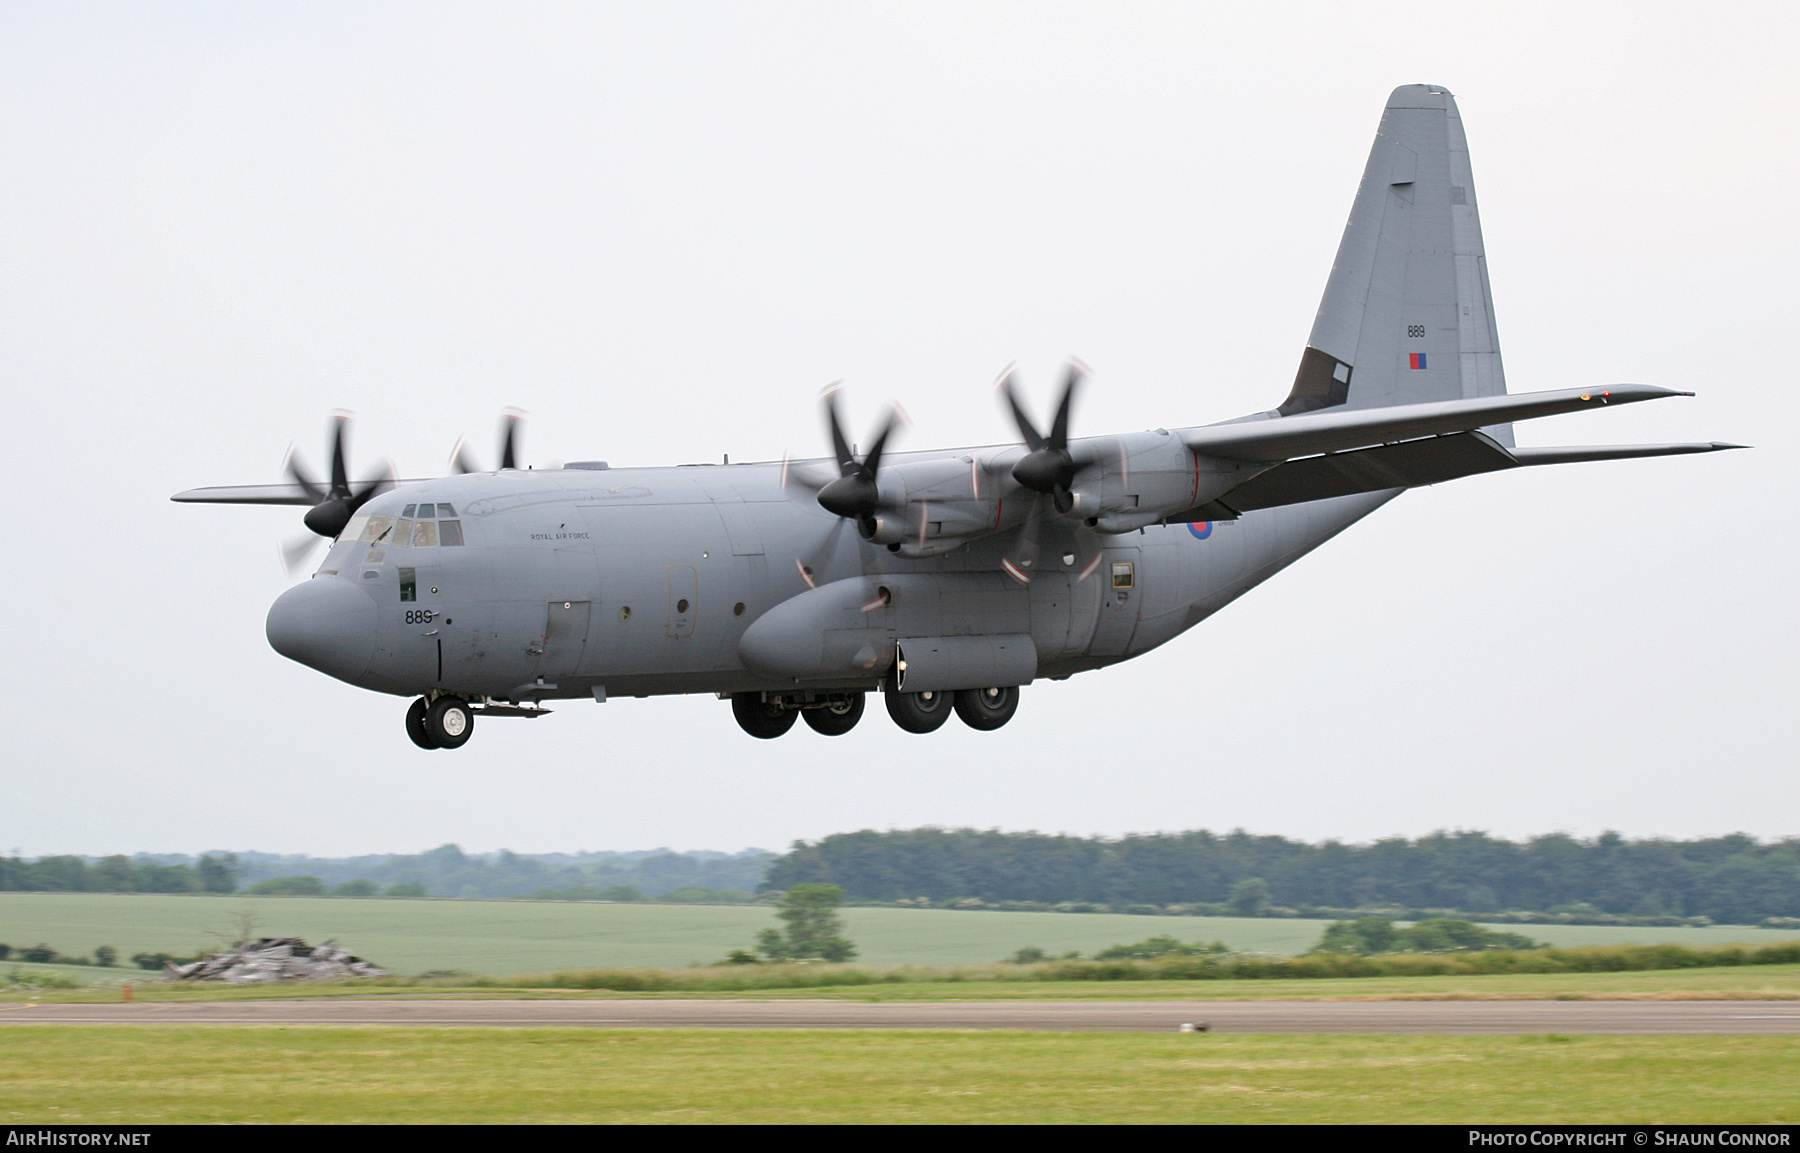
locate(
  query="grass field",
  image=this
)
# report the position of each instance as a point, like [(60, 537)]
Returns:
[(98, 1074), (411, 936)]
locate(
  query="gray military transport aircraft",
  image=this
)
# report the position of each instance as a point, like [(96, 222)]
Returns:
[(966, 573)]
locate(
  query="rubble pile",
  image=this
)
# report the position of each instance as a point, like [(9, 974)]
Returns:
[(270, 959)]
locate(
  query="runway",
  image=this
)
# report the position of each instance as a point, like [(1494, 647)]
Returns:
[(1762, 1018)]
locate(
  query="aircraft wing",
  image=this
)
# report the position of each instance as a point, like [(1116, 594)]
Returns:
[(252, 494), (1284, 438), (247, 494), (1408, 464)]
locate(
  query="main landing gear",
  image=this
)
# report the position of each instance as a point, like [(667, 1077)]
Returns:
[(831, 715), (445, 723), (769, 716)]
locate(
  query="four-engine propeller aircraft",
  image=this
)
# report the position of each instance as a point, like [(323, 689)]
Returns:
[(947, 580)]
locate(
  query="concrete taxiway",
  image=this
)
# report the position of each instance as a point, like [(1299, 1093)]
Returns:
[(1607, 1017)]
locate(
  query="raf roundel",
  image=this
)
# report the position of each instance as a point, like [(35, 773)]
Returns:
[(1200, 528)]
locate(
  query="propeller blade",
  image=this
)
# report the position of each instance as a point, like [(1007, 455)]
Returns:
[(1024, 556), (1027, 430), (872, 462), (509, 438), (301, 477), (812, 567), (296, 549), (792, 476), (373, 488), (340, 468), (1059, 432), (846, 460), (461, 459)]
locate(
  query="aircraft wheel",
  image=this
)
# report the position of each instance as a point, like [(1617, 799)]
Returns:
[(761, 719), (449, 722), (919, 712), (415, 724), (836, 718), (987, 709)]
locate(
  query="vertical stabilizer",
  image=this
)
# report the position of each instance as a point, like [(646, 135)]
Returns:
[(1407, 315)]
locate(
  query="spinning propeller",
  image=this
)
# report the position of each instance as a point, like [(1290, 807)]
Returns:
[(462, 461), (1049, 468), (334, 504), (856, 494)]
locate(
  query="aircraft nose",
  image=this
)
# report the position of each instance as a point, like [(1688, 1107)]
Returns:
[(326, 623)]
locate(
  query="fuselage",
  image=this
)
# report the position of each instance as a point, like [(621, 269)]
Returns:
[(591, 582)]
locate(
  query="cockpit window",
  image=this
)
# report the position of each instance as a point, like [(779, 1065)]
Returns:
[(425, 534), (408, 511), (378, 530), (354, 530), (446, 510), (402, 533), (450, 533)]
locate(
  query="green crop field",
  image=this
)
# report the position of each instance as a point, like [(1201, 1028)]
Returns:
[(143, 1074), (412, 936)]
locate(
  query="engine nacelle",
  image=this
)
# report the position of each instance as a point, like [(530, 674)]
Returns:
[(882, 528)]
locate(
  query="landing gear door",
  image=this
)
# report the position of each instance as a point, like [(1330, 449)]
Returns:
[(1121, 577), (565, 639)]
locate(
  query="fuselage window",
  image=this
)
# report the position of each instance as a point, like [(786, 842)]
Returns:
[(425, 534), (1123, 575), (449, 531), (409, 584), (378, 529)]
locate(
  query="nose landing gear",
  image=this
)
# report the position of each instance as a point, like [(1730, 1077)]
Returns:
[(445, 723)]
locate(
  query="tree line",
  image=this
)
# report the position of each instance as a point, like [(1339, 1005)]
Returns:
[(1734, 879), (119, 874), (446, 871)]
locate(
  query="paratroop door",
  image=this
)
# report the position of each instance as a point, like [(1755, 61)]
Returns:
[(1120, 575), (565, 639)]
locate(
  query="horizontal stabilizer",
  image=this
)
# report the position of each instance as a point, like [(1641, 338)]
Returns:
[(1579, 453), (1336, 430), (1409, 464)]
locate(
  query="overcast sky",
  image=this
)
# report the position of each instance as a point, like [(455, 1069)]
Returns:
[(660, 228)]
